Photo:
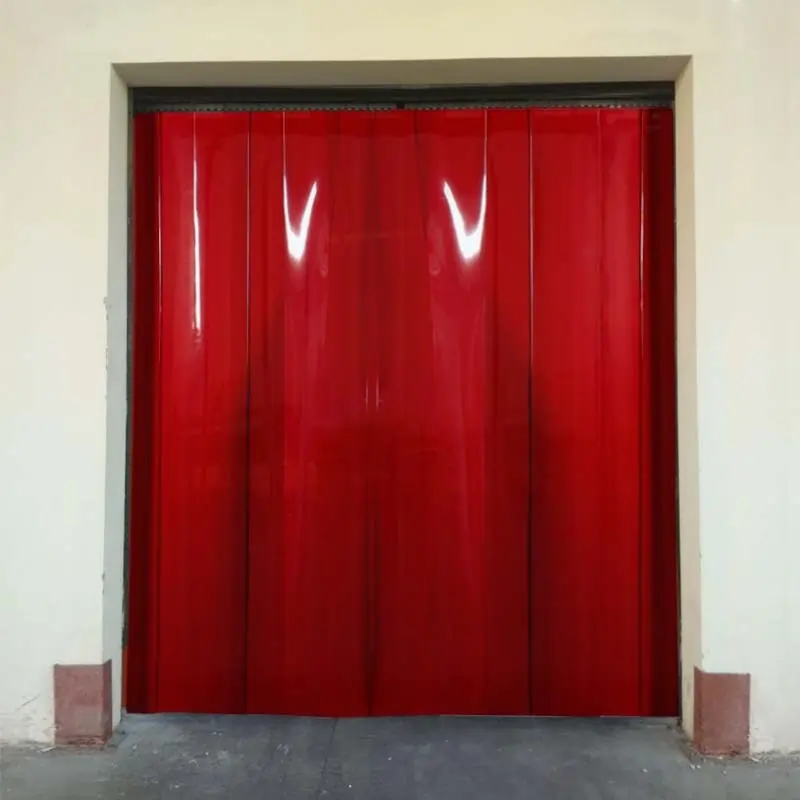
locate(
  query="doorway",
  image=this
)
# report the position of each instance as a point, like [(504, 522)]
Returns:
[(403, 412)]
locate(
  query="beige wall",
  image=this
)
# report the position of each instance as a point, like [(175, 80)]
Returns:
[(63, 151)]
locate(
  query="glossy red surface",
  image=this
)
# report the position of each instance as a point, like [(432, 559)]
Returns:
[(586, 422), (144, 454), (414, 449), (198, 563), (310, 259), (659, 420), (450, 510), (594, 579)]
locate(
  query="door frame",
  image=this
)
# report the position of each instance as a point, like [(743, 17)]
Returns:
[(622, 94)]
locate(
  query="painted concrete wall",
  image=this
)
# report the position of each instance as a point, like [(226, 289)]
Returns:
[(63, 148)]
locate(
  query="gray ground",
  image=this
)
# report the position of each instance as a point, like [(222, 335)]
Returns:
[(243, 758)]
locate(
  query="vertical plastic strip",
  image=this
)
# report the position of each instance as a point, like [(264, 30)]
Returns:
[(616, 579), (309, 242), (140, 656), (585, 495), (660, 372), (648, 632), (203, 385)]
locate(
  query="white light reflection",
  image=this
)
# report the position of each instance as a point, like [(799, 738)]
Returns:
[(198, 322), (296, 236), (470, 241)]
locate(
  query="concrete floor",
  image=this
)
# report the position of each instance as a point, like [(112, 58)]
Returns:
[(244, 758)]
